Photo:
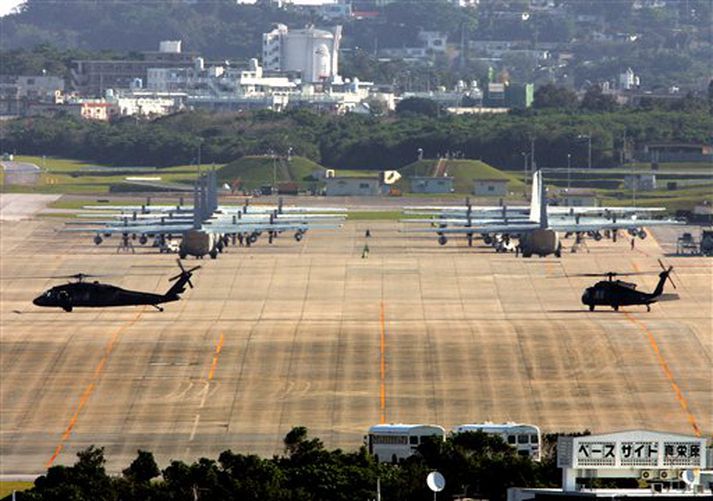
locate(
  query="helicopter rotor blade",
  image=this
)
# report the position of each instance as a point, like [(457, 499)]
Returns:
[(669, 277)]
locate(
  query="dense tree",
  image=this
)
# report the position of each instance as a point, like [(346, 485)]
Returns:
[(551, 96), (418, 106), (595, 100), (357, 141)]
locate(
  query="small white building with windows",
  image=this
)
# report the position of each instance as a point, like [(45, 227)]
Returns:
[(429, 184), (490, 187), (353, 186), (577, 197)]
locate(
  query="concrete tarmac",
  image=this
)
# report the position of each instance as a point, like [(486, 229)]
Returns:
[(311, 334)]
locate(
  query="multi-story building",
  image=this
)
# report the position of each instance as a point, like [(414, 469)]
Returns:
[(93, 77), (18, 91)]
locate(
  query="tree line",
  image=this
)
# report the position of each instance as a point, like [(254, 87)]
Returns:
[(474, 464), (362, 142)]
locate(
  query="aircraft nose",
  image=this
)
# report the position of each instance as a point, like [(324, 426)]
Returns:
[(585, 297), (37, 301)]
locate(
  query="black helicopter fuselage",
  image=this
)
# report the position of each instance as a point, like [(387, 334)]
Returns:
[(87, 294), (616, 293)]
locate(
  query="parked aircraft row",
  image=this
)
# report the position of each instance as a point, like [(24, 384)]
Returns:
[(204, 228), (537, 232)]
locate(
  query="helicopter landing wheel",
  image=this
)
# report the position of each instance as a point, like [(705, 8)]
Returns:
[(616, 307), (591, 307)]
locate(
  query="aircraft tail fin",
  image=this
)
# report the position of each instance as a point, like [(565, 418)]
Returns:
[(538, 203)]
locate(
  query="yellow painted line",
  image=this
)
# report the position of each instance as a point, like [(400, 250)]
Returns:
[(90, 388), (382, 365), (206, 388), (214, 364), (680, 398)]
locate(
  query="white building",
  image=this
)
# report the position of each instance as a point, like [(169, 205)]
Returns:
[(422, 184), (353, 186), (578, 197), (658, 459), (640, 182), (490, 187), (311, 52), (629, 80)]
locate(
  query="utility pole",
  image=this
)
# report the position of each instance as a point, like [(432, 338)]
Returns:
[(533, 164), (524, 160), (569, 170), (589, 150)]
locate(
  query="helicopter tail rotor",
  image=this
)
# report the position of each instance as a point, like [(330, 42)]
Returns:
[(184, 273), (668, 273)]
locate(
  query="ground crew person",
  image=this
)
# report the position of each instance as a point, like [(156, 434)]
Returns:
[(365, 252)]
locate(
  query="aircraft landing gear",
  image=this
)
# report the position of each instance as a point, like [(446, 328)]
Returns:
[(591, 307), (648, 307), (616, 307), (159, 308), (213, 254)]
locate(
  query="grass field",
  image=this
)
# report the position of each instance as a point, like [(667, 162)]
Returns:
[(6, 488), (61, 175)]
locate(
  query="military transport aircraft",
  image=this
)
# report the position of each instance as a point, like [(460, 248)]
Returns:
[(538, 234), (98, 295), (616, 293), (204, 228)]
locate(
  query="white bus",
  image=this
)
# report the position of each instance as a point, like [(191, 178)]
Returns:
[(396, 442), (525, 438)]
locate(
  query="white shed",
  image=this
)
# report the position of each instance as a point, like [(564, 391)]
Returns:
[(353, 186), (490, 187), (423, 184)]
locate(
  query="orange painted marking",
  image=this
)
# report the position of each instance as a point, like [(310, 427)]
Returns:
[(382, 365), (90, 388), (680, 398), (636, 267), (214, 364)]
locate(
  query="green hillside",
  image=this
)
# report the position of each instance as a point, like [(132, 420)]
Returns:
[(464, 173), (256, 171)]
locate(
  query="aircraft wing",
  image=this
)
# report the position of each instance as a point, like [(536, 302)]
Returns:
[(626, 224), (134, 230), (251, 228), (479, 230), (561, 210)]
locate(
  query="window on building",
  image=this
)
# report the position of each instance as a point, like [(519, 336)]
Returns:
[(364, 186), (413, 440), (491, 188)]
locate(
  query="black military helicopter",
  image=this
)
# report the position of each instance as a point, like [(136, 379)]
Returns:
[(616, 293), (98, 295)]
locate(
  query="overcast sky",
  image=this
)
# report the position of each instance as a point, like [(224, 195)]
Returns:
[(7, 5)]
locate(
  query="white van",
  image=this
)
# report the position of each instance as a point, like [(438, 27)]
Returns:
[(396, 442), (525, 438)]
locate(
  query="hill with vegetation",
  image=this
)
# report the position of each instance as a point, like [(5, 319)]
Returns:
[(464, 172), (254, 171)]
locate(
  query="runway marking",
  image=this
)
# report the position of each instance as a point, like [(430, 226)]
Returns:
[(90, 388), (382, 365), (218, 349), (206, 387), (667, 371)]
